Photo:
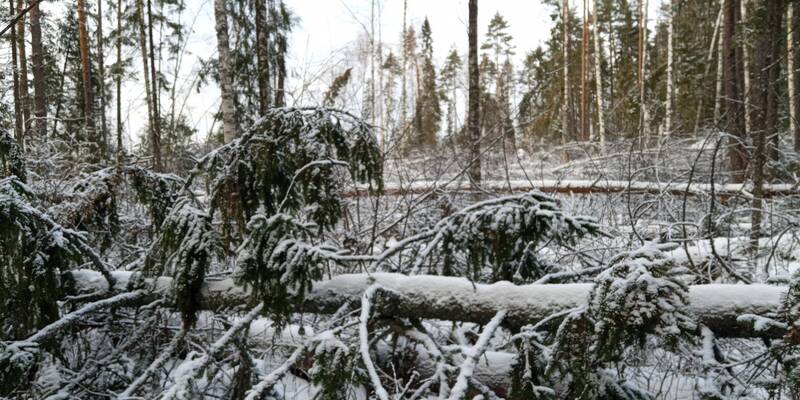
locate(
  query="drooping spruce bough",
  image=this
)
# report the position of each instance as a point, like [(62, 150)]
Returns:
[(281, 185)]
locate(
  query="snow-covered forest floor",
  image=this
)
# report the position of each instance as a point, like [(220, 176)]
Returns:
[(297, 269)]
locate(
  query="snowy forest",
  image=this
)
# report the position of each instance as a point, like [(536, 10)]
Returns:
[(602, 203)]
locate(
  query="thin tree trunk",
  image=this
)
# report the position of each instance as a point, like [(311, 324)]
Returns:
[(23, 70), (670, 77), (59, 99), (102, 79), (262, 56), (39, 79), (18, 129), (473, 117), (158, 165), (404, 78), (601, 129), (155, 141), (720, 73), (643, 118), (584, 83), (226, 87), (119, 82), (791, 75), (565, 131), (748, 125), (86, 70)]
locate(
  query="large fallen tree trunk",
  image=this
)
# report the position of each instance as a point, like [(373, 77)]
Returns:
[(457, 299), (590, 186)]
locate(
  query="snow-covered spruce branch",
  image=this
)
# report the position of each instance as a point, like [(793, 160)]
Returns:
[(472, 354), (592, 186), (457, 299), (363, 336), (195, 364)]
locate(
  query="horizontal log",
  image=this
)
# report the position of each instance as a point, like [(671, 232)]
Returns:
[(588, 187), (457, 299)]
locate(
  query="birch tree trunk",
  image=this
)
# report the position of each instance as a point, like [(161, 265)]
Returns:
[(262, 56), (23, 70), (601, 129), (225, 83), (86, 73), (791, 75), (670, 62), (473, 117)]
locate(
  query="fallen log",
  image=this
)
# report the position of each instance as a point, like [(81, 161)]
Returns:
[(589, 186), (457, 299)]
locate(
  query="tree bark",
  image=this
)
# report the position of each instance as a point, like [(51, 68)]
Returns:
[(473, 113), (584, 82), (565, 126), (18, 128), (155, 140), (39, 78), (748, 125), (23, 70), (791, 74), (119, 83), (225, 81), (670, 62), (766, 111), (601, 128), (86, 73), (101, 79), (732, 103), (156, 121), (262, 56), (457, 299)]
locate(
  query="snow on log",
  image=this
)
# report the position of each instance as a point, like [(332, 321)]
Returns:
[(588, 186), (457, 299)]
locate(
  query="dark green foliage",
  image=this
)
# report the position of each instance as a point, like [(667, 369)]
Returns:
[(336, 366), (279, 265), (156, 190), (639, 294), (91, 205), (185, 246), (34, 250), (528, 379), (11, 161), (291, 160), (504, 235)]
